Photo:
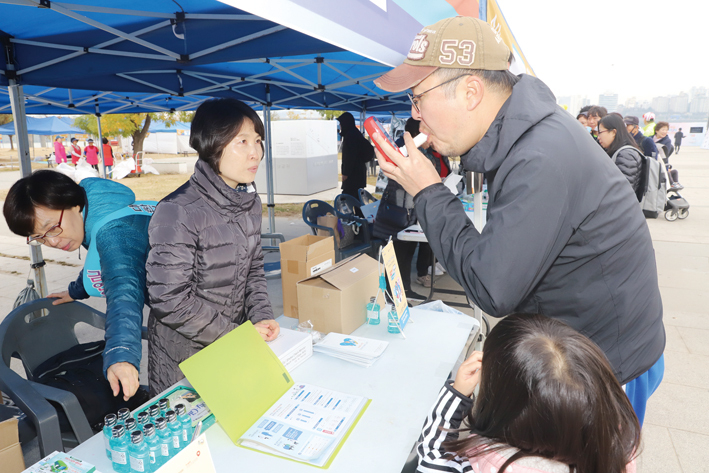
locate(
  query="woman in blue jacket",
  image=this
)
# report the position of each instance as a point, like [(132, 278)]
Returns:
[(50, 209)]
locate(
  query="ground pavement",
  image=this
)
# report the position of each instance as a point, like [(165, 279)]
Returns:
[(676, 430)]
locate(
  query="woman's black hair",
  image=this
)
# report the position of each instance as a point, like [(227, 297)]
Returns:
[(550, 392), (216, 122), (622, 136), (104, 141), (44, 188)]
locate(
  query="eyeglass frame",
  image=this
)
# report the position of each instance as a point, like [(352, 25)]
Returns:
[(415, 98), (604, 131), (44, 237)]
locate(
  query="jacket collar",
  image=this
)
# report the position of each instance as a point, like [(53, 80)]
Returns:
[(531, 101), (222, 198)]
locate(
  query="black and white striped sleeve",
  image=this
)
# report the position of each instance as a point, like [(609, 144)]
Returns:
[(448, 413)]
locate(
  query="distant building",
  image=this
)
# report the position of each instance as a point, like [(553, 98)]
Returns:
[(632, 102), (608, 100), (679, 103), (699, 104), (660, 104)]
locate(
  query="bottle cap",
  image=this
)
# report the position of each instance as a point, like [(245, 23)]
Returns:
[(149, 430), (180, 409), (123, 413), (154, 411), (136, 437), (143, 418), (118, 431), (131, 423), (160, 423), (163, 403), (170, 415), (110, 420)]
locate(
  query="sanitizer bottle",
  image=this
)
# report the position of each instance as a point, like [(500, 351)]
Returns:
[(131, 425), (138, 453), (153, 442), (373, 312), (143, 418), (123, 414), (108, 422), (393, 327), (164, 406), (119, 450), (175, 430), (163, 433), (154, 412), (186, 424)]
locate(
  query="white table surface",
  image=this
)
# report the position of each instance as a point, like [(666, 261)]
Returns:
[(403, 385)]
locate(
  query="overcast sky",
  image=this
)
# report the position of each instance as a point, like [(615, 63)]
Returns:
[(642, 48)]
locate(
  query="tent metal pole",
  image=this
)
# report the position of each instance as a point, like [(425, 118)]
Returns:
[(269, 163), (17, 100), (100, 140)]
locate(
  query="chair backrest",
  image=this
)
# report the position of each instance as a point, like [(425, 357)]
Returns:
[(365, 197), (347, 208), (35, 339), (314, 209)]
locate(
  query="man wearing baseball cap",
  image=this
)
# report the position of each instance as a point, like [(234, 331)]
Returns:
[(646, 143), (565, 236)]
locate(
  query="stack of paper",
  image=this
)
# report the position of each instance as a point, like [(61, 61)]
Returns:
[(292, 347), (359, 350)]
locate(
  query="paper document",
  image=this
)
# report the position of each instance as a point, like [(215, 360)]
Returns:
[(194, 458), (305, 424), (360, 350)]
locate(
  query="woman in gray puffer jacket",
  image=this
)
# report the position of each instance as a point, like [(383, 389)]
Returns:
[(205, 271), (614, 137)]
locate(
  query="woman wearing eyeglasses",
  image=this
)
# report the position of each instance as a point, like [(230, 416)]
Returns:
[(613, 136), (50, 209)]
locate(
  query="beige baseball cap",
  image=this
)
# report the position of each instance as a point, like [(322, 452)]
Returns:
[(460, 42)]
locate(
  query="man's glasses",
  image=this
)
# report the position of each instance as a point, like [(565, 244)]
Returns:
[(55, 231), (415, 98)]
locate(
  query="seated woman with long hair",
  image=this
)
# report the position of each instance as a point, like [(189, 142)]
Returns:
[(548, 402), (613, 136)]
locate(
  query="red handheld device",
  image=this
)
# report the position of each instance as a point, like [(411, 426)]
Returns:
[(372, 125)]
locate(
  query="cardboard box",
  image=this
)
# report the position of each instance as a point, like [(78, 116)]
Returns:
[(11, 458), (336, 299), (302, 258)]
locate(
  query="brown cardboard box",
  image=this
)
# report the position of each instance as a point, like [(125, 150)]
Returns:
[(336, 299), (301, 258), (10, 451)]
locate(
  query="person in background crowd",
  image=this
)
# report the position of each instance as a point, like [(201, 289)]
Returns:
[(564, 235), (646, 144), (205, 273), (548, 402), (595, 113), (75, 151), (107, 156), (50, 209), (356, 153), (660, 136), (678, 140), (59, 151), (582, 117), (91, 153), (648, 124), (613, 136)]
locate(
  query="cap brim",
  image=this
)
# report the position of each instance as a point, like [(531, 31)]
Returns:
[(403, 77)]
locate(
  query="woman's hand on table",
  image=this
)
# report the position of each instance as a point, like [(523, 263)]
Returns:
[(268, 329), (123, 374), (468, 375)]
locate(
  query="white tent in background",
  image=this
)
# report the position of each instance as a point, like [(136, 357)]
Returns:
[(164, 140)]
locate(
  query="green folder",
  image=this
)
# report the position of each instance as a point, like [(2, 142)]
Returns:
[(239, 377)]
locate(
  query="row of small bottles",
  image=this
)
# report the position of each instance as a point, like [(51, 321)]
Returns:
[(144, 444)]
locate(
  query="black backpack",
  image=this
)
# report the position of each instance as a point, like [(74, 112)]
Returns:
[(79, 370)]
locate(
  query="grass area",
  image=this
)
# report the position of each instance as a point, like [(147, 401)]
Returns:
[(152, 187)]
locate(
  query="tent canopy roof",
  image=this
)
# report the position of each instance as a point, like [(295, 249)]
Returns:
[(42, 126)]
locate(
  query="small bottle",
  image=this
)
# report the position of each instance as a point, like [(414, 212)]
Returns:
[(123, 414), (373, 312), (175, 430), (164, 406), (119, 449), (153, 442), (108, 422), (143, 418), (138, 453), (131, 425), (393, 326), (154, 412), (165, 436), (186, 423)]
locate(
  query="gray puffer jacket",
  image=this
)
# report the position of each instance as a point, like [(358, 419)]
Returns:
[(629, 160), (204, 273)]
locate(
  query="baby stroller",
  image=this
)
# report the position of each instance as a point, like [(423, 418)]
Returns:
[(676, 206)]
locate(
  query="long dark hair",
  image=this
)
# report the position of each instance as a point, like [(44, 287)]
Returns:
[(622, 136), (550, 392)]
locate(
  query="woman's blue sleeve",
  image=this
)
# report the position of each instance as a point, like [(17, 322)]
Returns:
[(123, 248)]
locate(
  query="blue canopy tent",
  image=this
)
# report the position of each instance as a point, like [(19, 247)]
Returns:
[(42, 126)]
